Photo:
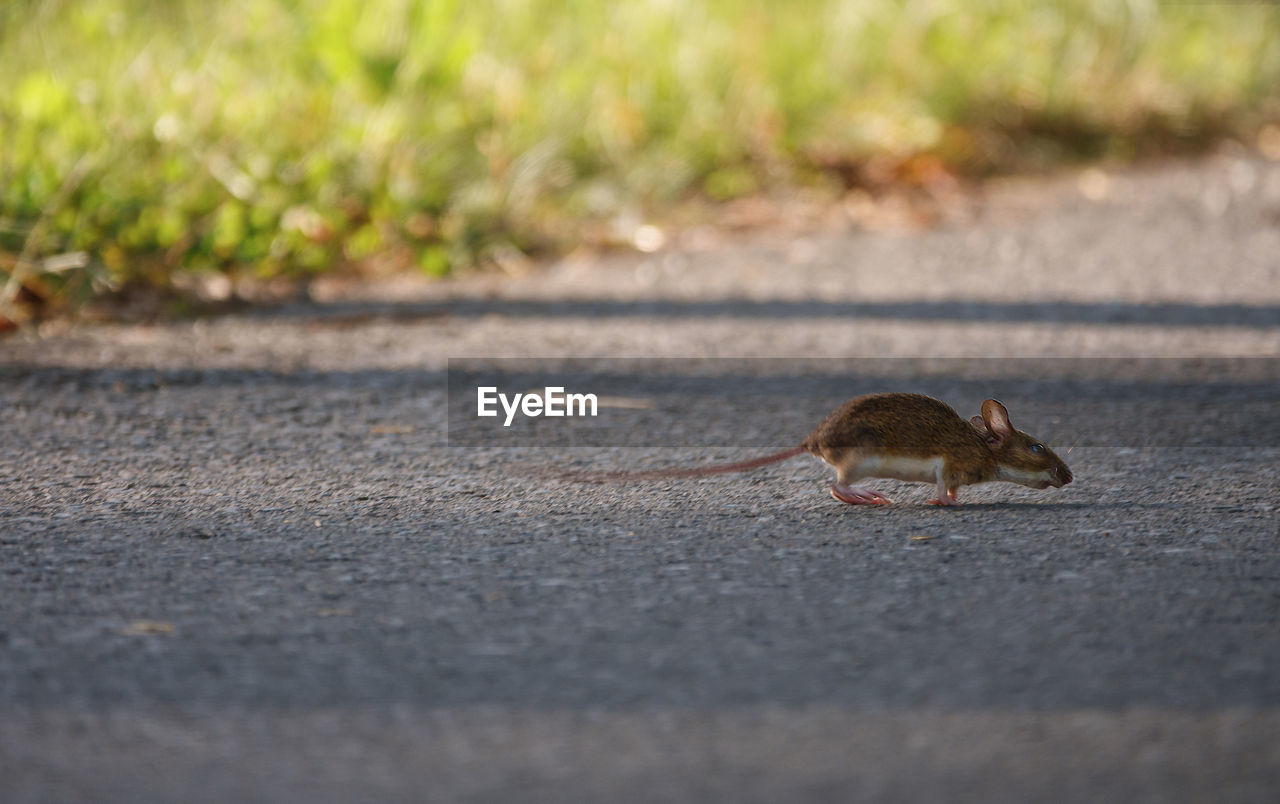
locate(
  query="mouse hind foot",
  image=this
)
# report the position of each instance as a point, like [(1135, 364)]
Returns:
[(857, 495)]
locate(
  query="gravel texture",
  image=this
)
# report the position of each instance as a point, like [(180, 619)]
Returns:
[(254, 557)]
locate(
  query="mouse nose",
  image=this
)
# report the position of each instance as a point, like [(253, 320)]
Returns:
[(1064, 474)]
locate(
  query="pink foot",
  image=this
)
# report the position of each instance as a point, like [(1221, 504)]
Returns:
[(856, 495), (948, 499)]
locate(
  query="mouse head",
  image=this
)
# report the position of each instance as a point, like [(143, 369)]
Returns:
[(1020, 458)]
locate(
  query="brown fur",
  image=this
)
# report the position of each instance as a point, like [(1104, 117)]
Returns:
[(908, 425), (918, 426)]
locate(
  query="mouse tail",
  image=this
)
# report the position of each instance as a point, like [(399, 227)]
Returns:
[(726, 468), (703, 471)]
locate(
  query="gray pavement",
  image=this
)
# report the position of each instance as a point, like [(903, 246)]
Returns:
[(255, 558)]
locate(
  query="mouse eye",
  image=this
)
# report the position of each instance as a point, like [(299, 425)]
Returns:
[(1037, 447)]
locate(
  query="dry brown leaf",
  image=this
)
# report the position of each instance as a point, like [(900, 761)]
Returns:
[(148, 628)]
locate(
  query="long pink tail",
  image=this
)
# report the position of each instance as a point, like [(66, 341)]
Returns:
[(660, 474)]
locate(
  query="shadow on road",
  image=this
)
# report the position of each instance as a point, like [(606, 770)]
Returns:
[(979, 312), (1078, 505), (749, 403)]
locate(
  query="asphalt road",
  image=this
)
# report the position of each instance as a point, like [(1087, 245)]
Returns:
[(263, 557)]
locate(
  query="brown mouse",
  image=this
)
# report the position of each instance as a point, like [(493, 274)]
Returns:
[(917, 438)]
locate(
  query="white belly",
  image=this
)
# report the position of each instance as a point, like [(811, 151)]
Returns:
[(922, 470)]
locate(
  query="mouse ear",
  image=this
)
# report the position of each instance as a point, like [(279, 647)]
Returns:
[(981, 427), (996, 417)]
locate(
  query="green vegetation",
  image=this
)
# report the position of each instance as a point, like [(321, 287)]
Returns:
[(143, 141)]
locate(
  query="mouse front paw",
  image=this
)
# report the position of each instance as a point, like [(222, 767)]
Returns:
[(949, 499)]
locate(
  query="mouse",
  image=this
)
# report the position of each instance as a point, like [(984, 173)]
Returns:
[(912, 437)]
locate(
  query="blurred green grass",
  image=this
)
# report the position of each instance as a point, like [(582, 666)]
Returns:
[(147, 142)]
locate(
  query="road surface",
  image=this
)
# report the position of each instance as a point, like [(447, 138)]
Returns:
[(261, 557)]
